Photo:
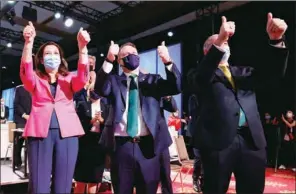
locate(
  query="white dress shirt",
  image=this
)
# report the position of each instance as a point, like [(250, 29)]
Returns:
[(120, 129)]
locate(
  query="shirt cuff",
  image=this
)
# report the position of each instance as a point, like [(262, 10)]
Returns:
[(169, 67), (107, 67), (23, 115)]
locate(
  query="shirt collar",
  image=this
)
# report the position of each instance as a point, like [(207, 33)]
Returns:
[(135, 72)]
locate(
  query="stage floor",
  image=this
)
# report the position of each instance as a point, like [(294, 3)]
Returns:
[(283, 181)]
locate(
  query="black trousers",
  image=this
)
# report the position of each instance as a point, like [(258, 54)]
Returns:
[(134, 164), (18, 150), (240, 158)]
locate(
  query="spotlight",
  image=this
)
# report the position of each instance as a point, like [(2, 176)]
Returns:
[(57, 15), (170, 34), (9, 45), (3, 67), (10, 2), (12, 82), (102, 55), (68, 22)]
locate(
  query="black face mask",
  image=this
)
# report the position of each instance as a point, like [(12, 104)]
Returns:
[(131, 62)]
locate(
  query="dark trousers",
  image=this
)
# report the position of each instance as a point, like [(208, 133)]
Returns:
[(288, 154), (197, 168), (54, 156), (18, 150), (165, 173), (240, 158), (135, 164)]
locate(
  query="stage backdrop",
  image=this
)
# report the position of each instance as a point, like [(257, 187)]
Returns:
[(151, 63)]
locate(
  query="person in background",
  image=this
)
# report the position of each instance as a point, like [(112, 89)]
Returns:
[(91, 155), (53, 126), (175, 121), (270, 126), (194, 110), (168, 103), (22, 109), (288, 148), (4, 111), (92, 63)]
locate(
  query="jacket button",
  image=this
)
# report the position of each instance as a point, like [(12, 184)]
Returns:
[(236, 114)]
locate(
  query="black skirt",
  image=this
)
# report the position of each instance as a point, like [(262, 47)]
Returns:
[(91, 159)]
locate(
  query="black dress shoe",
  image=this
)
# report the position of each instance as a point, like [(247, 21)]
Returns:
[(196, 186)]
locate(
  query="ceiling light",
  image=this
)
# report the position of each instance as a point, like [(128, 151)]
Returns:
[(10, 2), (57, 15), (12, 82), (170, 34), (68, 22), (102, 55), (9, 45), (3, 67)]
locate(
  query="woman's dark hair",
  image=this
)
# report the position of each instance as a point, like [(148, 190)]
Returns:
[(40, 69)]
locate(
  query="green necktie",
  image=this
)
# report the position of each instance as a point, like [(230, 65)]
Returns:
[(242, 116), (132, 114)]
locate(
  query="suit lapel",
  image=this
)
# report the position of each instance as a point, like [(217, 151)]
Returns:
[(220, 74), (122, 82), (46, 84), (141, 79)]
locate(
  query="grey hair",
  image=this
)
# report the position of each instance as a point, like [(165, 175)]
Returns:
[(209, 42)]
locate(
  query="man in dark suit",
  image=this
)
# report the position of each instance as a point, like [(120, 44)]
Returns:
[(229, 133), (135, 130), (193, 111), (4, 111), (169, 104), (22, 108)]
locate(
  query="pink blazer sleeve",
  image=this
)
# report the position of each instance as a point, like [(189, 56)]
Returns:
[(79, 81), (28, 76)]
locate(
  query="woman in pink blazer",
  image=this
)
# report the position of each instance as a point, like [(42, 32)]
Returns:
[(53, 127)]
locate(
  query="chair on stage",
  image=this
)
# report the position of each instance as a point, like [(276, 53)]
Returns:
[(185, 164)]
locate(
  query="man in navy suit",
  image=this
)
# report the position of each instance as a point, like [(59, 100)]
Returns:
[(229, 133), (135, 131)]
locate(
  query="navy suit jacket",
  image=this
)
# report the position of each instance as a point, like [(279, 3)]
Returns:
[(193, 111), (220, 103), (152, 88), (22, 104)]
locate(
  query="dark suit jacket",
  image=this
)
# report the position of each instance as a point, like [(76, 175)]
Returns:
[(151, 88), (84, 111), (193, 111), (22, 104), (220, 103), (81, 96), (6, 116)]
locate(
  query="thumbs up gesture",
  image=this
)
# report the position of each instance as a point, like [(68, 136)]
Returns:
[(29, 33), (113, 51), (227, 29), (83, 38), (163, 53), (275, 27)]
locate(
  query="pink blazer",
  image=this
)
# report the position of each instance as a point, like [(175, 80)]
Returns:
[(43, 103)]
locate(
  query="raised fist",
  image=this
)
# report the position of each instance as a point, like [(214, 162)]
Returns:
[(163, 53), (29, 33), (275, 27), (227, 29), (83, 38), (113, 51)]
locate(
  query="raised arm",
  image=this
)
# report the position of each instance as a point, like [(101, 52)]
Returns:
[(103, 84), (169, 104), (81, 78), (27, 74), (171, 85), (274, 68)]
